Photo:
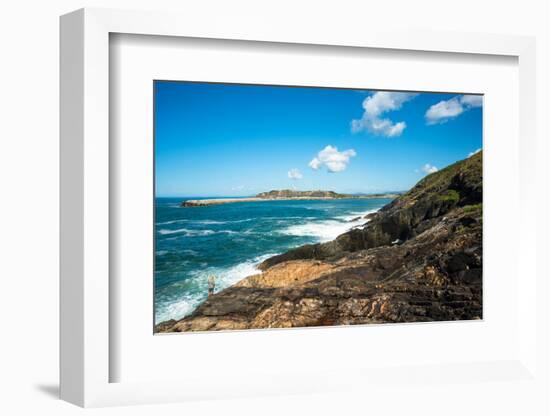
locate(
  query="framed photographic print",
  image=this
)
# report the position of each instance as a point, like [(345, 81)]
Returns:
[(265, 211)]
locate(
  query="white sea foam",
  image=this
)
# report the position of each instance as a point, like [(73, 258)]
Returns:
[(178, 308), (183, 305), (230, 276), (206, 222), (170, 222), (322, 230), (216, 222), (195, 233), (356, 216), (327, 230), (286, 218), (186, 231)]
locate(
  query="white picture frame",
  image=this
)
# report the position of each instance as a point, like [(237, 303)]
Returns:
[(86, 356)]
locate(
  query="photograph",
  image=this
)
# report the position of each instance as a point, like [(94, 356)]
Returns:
[(296, 206)]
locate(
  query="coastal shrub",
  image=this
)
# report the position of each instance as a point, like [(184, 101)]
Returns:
[(450, 195), (472, 208)]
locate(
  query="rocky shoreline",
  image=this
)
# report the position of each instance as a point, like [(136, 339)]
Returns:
[(418, 259)]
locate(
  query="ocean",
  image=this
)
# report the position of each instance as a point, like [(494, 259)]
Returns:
[(230, 240)]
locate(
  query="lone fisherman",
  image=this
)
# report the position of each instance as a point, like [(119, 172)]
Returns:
[(211, 284)]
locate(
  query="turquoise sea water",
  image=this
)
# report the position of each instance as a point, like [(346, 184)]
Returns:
[(229, 240)]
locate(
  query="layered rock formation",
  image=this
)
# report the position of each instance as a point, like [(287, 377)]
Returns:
[(417, 259)]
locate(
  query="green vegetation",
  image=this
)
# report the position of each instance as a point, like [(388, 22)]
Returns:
[(468, 170), (473, 208), (451, 195)]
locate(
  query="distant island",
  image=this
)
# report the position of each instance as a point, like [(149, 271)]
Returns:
[(285, 195)]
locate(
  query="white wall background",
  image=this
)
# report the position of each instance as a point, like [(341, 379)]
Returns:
[(29, 206)]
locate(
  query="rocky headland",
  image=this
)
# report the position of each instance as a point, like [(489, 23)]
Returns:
[(282, 195), (418, 259)]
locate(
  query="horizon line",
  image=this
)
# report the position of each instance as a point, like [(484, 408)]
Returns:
[(253, 195)]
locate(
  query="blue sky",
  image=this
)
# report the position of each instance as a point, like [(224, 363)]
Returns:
[(238, 140)]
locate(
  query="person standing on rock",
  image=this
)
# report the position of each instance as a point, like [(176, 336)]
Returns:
[(211, 284)]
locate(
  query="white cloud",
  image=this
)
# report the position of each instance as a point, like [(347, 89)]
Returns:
[(444, 110), (334, 160), (375, 106), (295, 174), (427, 168), (472, 101), (448, 109), (474, 152)]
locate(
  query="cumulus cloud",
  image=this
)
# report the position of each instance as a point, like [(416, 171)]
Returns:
[(375, 106), (295, 174), (445, 110), (472, 101), (474, 152), (427, 168), (332, 159)]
